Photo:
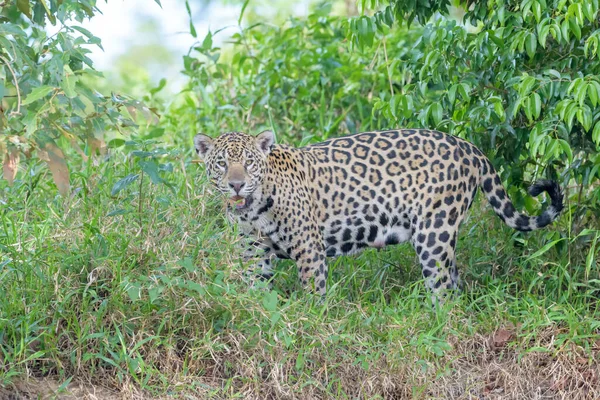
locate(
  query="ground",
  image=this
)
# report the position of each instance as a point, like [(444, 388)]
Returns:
[(484, 368)]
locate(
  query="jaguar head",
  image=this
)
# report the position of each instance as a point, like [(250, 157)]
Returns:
[(236, 164)]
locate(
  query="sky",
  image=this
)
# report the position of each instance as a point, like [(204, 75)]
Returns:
[(117, 26)]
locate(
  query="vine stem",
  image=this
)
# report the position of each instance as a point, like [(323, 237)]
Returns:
[(12, 71), (387, 67), (141, 201)]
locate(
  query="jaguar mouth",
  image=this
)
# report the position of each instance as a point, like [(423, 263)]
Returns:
[(239, 202)]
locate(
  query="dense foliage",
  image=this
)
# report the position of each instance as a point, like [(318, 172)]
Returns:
[(45, 100), (523, 84)]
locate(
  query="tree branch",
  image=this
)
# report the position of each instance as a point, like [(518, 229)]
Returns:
[(16, 85)]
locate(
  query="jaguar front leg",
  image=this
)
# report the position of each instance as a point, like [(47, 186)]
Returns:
[(262, 270), (312, 269)]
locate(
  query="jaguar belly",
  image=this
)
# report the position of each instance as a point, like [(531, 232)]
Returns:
[(358, 233)]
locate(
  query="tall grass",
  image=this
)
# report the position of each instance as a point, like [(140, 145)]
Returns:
[(142, 292)]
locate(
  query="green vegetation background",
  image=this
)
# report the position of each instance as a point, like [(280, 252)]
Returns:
[(117, 266)]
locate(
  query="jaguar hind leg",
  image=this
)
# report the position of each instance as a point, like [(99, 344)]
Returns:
[(437, 256)]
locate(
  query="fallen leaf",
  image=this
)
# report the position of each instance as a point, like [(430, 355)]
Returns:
[(11, 164), (500, 338), (559, 384), (132, 112), (97, 146), (582, 360), (58, 167), (78, 150)]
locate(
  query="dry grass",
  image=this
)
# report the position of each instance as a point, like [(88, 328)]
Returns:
[(481, 367)]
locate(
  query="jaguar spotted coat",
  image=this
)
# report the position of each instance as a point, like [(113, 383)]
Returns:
[(371, 189)]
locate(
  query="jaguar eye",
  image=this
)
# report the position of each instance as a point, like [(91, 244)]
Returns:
[(249, 162), (221, 164)]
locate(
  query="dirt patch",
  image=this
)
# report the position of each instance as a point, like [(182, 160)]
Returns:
[(492, 367), (42, 389)]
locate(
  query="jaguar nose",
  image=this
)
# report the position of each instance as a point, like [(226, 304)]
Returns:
[(237, 185)]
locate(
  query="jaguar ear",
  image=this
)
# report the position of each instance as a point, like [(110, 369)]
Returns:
[(203, 145), (265, 141)]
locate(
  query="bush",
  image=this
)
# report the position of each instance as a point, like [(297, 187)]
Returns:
[(521, 84)]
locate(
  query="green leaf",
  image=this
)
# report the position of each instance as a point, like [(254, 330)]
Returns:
[(501, 15), (188, 264), (543, 31), (37, 94), (499, 110), (464, 91), (576, 10), (23, 6), (68, 83), (596, 134), (153, 294), (564, 30), (151, 169), (436, 113), (242, 12), (588, 11), (537, 105), (452, 94), (394, 104), (207, 42), (192, 29), (408, 106), (556, 32), (275, 317), (531, 45), (189, 12), (123, 183), (525, 8), (7, 28), (300, 361), (196, 287), (591, 90), (116, 143), (544, 249), (537, 11), (527, 84), (49, 13), (575, 28), (270, 301), (570, 115), (554, 73), (536, 137), (64, 385), (133, 291), (91, 38), (1, 89), (590, 258), (118, 211), (566, 148), (31, 123), (528, 108), (584, 116), (596, 85)]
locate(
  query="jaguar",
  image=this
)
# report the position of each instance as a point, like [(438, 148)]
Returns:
[(370, 189)]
